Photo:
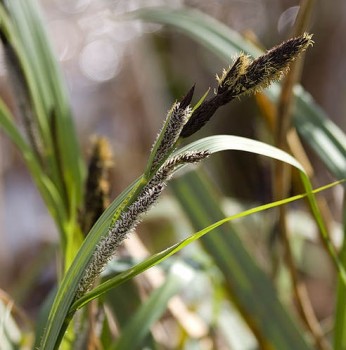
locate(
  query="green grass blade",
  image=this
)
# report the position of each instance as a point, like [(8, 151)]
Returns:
[(200, 101), (23, 29), (41, 319), (309, 119), (340, 309), (213, 34), (325, 138), (10, 31), (340, 312), (48, 94), (139, 326), (228, 142), (46, 187), (69, 151), (219, 143)]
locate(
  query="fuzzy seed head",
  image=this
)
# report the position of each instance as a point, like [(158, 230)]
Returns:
[(247, 77), (176, 119), (97, 185), (127, 222), (167, 169), (231, 76), (271, 66)]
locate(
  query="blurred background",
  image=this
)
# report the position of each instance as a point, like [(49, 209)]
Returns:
[(123, 76)]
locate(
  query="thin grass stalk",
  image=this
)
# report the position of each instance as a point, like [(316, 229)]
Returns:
[(302, 299), (283, 179), (339, 341), (286, 100), (16, 310)]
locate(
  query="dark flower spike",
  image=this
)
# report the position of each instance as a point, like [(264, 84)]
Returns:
[(247, 77), (273, 65), (186, 100), (106, 248), (97, 185), (229, 78)]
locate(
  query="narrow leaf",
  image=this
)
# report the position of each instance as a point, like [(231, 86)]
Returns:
[(139, 326)]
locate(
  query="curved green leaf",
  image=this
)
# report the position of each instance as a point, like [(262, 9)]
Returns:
[(237, 143)]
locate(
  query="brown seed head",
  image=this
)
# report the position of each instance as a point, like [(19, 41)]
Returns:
[(247, 77)]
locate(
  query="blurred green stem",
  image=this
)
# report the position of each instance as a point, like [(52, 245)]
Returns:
[(340, 313), (283, 178)]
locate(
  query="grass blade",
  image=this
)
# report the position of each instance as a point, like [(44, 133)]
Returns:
[(340, 309), (48, 190), (139, 326), (22, 23)]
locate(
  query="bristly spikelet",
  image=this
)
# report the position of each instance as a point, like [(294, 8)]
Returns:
[(167, 169), (176, 119), (106, 248), (188, 157), (273, 65), (229, 77), (247, 77)]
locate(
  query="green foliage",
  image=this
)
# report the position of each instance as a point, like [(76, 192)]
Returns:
[(49, 147), (53, 155)]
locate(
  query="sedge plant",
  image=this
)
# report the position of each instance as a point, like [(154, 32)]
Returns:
[(50, 150)]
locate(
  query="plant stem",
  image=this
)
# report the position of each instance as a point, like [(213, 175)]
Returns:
[(283, 180)]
